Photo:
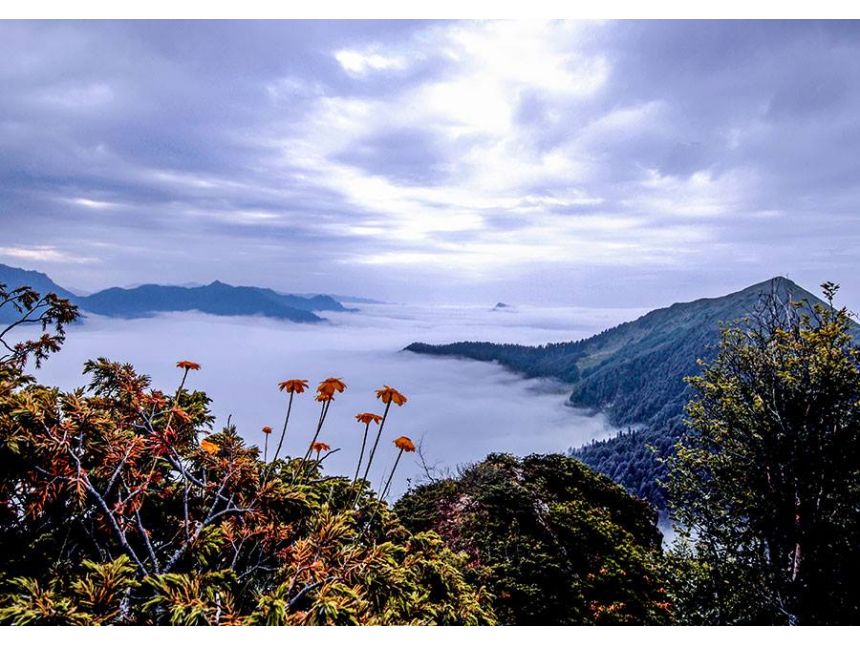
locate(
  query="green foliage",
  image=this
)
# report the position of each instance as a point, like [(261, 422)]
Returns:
[(103, 590), (766, 485), (635, 459), (555, 542)]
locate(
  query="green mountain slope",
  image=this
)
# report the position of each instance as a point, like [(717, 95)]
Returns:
[(633, 372)]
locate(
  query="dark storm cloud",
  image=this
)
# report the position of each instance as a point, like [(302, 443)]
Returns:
[(440, 160)]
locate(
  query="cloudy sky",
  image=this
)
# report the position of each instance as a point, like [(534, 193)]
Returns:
[(609, 163)]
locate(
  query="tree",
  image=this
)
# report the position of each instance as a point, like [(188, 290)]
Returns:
[(26, 307), (765, 487)]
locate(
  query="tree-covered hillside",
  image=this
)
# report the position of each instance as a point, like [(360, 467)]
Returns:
[(635, 373)]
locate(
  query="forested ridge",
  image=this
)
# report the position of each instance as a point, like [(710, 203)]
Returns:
[(635, 373)]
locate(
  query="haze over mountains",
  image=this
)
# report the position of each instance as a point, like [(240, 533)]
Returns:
[(215, 298), (634, 373)]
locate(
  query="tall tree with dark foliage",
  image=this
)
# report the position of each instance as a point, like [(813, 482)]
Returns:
[(767, 483)]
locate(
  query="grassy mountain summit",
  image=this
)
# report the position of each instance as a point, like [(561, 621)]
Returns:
[(634, 372), (554, 542)]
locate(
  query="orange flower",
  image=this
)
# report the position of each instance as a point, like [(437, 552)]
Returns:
[(367, 418), (404, 444), (210, 447), (320, 447), (331, 385), (293, 385), (188, 365), (388, 395), (327, 389), (267, 430)]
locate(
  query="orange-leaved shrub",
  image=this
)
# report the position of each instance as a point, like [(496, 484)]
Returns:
[(118, 505)]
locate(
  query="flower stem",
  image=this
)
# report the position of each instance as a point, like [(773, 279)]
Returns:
[(284, 431), (376, 442), (323, 413), (176, 398), (393, 469), (361, 454), (170, 416)]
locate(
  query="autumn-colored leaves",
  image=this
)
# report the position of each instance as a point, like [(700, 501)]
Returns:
[(210, 447)]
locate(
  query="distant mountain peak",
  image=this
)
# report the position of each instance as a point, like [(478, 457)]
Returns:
[(779, 283), (217, 298)]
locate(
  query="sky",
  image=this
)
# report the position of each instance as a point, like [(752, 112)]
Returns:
[(604, 164)]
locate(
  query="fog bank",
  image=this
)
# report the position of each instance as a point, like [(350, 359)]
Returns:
[(460, 410)]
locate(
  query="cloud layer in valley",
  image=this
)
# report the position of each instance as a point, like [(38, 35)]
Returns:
[(436, 160), (459, 410)]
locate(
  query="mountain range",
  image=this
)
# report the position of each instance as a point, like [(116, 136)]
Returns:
[(634, 373), (215, 298)]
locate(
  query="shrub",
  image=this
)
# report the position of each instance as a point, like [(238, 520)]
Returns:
[(555, 542)]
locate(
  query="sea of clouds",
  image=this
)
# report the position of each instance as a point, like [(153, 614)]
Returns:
[(459, 410)]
